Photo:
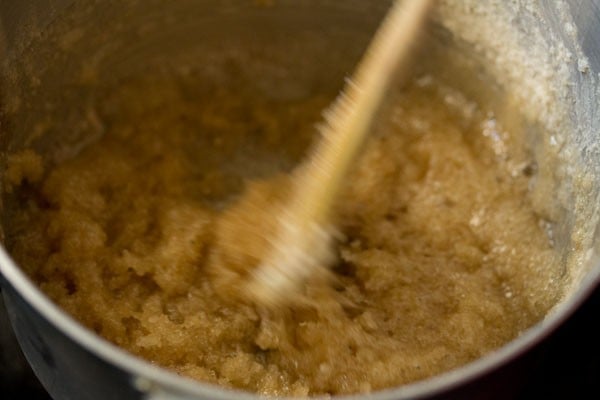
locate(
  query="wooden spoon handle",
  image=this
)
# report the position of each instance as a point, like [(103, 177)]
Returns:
[(351, 116)]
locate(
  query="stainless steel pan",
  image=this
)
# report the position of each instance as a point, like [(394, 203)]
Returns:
[(73, 363)]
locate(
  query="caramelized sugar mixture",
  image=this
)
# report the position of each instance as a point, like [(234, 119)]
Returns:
[(143, 235)]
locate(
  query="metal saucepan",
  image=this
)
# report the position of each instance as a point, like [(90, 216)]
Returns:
[(541, 55)]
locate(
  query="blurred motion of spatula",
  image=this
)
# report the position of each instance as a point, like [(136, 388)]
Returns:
[(303, 242)]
